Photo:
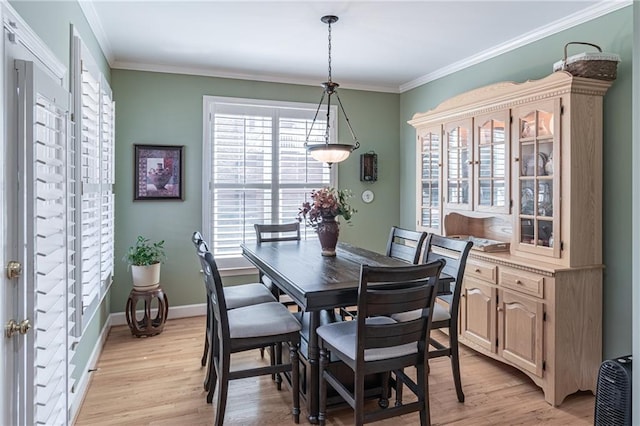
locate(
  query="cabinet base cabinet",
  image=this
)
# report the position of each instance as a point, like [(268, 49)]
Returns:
[(552, 333)]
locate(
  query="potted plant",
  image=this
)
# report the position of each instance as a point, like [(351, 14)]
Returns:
[(145, 259)]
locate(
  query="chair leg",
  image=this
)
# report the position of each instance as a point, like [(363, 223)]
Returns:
[(383, 402), (203, 361), (295, 380), (398, 391), (223, 387), (423, 393), (278, 361), (212, 375), (455, 363), (358, 393), (324, 363)]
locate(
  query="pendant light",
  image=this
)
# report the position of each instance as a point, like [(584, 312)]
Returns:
[(330, 152)]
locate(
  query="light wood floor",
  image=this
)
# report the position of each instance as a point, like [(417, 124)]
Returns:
[(158, 381)]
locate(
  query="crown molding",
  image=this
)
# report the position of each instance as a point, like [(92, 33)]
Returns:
[(20, 31), (206, 72), (602, 8), (95, 24)]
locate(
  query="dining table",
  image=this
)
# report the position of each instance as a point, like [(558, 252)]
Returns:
[(317, 283)]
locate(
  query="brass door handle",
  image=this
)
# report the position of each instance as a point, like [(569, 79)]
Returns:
[(14, 327), (14, 269)]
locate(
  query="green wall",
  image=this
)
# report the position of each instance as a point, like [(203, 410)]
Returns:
[(613, 32), (166, 109)]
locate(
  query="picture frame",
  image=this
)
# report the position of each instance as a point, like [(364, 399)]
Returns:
[(158, 172)]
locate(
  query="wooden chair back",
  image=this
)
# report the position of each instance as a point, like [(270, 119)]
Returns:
[(385, 291), (405, 244), (454, 252), (215, 290), (280, 232)]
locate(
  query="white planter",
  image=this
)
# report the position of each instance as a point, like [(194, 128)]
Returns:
[(145, 277)]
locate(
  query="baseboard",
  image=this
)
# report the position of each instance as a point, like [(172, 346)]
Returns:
[(185, 311)]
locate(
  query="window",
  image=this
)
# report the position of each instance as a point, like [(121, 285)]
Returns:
[(257, 168)]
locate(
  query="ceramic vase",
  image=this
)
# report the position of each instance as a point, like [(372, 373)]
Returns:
[(328, 231)]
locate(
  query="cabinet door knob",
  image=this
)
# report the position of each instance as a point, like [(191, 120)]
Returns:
[(499, 309), (478, 270), (519, 282), (516, 159)]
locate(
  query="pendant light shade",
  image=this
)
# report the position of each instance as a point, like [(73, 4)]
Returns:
[(330, 152)]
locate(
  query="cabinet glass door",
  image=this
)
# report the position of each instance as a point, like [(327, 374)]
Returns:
[(492, 174), (459, 168), (429, 195), (538, 142)]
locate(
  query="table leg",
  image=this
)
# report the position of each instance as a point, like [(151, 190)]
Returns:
[(314, 367)]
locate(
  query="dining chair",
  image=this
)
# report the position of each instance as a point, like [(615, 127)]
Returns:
[(454, 252), (266, 233), (403, 244), (246, 328), (236, 297), (376, 343)]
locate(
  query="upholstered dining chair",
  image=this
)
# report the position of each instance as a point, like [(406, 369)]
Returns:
[(403, 244), (375, 343), (445, 312), (445, 315), (236, 297), (245, 328)]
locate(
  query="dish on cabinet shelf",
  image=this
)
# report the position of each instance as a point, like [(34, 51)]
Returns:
[(526, 200)]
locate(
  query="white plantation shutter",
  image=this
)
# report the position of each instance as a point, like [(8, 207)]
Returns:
[(93, 167), (43, 202), (89, 160), (107, 179), (259, 170)]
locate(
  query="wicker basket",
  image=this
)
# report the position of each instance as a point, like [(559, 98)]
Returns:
[(601, 66)]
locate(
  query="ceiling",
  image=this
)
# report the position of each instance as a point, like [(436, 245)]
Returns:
[(376, 45)]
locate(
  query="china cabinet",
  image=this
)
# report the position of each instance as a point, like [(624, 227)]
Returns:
[(522, 164)]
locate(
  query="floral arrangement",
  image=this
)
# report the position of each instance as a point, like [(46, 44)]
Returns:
[(326, 201)]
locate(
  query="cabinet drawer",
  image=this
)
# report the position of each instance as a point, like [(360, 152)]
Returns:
[(523, 282), (483, 272)]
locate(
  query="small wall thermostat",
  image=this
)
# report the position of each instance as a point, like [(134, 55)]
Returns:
[(367, 196)]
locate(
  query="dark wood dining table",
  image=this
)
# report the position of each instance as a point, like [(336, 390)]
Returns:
[(317, 283)]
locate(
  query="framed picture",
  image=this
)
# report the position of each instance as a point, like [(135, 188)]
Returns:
[(159, 172)]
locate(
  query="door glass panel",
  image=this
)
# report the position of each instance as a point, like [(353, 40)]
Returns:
[(526, 231), (536, 145), (545, 233), (499, 198), (458, 169), (430, 198), (527, 197), (491, 163), (485, 193), (545, 198)]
